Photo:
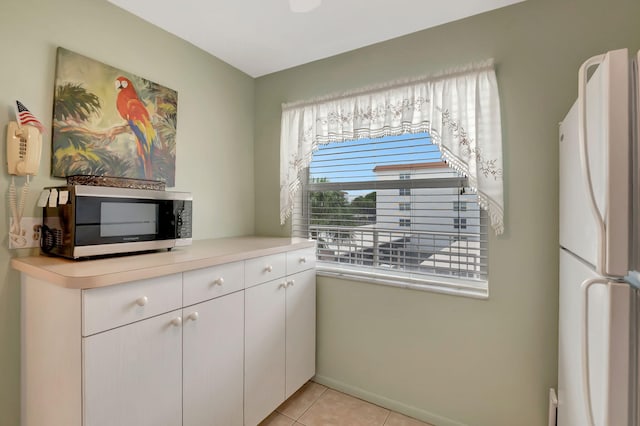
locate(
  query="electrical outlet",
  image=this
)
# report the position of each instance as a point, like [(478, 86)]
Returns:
[(30, 237)]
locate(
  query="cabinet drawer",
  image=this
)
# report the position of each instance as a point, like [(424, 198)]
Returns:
[(301, 260), (263, 269), (207, 283), (108, 307)]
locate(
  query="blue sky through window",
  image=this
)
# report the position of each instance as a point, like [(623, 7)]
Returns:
[(355, 160)]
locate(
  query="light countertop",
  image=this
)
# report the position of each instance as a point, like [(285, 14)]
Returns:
[(83, 274)]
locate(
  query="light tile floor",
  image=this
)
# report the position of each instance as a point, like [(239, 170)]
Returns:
[(317, 405)]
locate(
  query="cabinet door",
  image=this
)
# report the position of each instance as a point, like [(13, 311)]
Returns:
[(133, 374), (264, 350), (300, 330), (213, 343)]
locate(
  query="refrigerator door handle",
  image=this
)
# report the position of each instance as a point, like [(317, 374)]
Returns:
[(584, 328), (584, 157)]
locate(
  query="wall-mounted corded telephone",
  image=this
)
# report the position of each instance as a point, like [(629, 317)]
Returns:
[(24, 148)]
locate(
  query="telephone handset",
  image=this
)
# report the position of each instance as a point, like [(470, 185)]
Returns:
[(24, 148)]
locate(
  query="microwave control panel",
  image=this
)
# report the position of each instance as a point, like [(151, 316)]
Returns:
[(183, 219)]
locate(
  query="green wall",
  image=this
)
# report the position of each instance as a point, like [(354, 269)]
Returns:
[(447, 359), (214, 139)]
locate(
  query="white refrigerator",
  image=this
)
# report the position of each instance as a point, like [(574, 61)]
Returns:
[(599, 218)]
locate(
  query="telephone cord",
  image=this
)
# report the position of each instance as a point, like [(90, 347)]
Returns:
[(23, 198), (13, 197), (16, 233)]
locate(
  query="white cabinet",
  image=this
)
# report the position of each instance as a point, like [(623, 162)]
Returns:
[(182, 367), (213, 349), (300, 330), (132, 374), (215, 345), (265, 350), (280, 335)]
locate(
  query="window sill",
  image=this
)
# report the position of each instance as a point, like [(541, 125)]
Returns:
[(442, 285)]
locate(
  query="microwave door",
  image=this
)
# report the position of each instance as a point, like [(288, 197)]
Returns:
[(106, 225), (130, 221)]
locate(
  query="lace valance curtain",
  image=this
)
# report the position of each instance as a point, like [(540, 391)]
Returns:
[(459, 109)]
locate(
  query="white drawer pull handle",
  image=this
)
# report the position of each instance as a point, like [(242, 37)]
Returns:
[(176, 321), (268, 268), (291, 283), (193, 316), (142, 301), (303, 260), (219, 281), (283, 285)]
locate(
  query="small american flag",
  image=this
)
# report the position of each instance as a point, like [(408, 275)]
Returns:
[(25, 118)]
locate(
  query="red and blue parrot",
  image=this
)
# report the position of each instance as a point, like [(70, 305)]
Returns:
[(133, 110)]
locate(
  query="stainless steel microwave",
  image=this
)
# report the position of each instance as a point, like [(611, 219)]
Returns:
[(87, 221)]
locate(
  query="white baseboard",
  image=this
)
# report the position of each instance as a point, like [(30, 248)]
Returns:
[(390, 404)]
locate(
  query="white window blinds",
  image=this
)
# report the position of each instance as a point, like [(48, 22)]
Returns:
[(392, 207)]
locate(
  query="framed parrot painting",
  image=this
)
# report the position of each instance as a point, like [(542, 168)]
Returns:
[(108, 122)]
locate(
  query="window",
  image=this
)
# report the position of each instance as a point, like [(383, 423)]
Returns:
[(459, 206), (343, 189), (459, 223), (351, 205)]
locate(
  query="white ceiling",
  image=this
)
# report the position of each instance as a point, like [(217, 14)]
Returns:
[(264, 36)]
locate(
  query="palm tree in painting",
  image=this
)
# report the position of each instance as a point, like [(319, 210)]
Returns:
[(79, 151), (165, 121)]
